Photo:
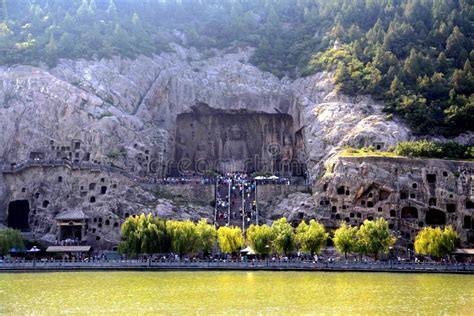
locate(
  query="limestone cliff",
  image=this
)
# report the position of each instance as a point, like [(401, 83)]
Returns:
[(67, 132)]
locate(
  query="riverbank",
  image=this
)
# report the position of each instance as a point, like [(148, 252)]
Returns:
[(138, 265)]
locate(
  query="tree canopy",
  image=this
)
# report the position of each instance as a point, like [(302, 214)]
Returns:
[(230, 239), (184, 237), (374, 237), (311, 238), (260, 239), (207, 234), (436, 242), (283, 237), (345, 239), (10, 238), (143, 234)]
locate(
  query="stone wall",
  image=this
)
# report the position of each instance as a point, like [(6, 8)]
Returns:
[(268, 192), (189, 193)]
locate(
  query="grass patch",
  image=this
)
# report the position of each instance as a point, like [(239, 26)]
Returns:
[(367, 152)]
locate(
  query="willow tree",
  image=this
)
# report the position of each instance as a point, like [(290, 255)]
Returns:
[(230, 239), (207, 234), (131, 239), (143, 234), (436, 242), (283, 236), (183, 235), (260, 239), (374, 237), (345, 239), (311, 238), (10, 238), (154, 236)]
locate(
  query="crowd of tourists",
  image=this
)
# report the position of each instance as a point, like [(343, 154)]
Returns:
[(236, 200)]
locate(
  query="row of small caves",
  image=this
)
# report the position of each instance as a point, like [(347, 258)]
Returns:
[(374, 202), (22, 217), (77, 151)]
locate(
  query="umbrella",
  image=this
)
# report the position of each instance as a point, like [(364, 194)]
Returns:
[(260, 178), (34, 249), (273, 178)]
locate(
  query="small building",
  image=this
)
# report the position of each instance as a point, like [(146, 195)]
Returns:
[(464, 254), (72, 226)]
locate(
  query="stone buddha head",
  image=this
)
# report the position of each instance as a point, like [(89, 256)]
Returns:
[(235, 133)]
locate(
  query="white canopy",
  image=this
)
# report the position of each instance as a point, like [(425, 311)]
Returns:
[(248, 251)]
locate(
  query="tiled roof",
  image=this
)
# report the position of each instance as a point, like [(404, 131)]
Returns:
[(72, 215), (68, 249)]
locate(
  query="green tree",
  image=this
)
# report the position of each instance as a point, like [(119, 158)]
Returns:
[(345, 239), (143, 234), (260, 239), (455, 43), (154, 236), (420, 148), (283, 236), (374, 237), (10, 238), (230, 239), (463, 80), (131, 239), (436, 242), (396, 88), (207, 235), (311, 238), (183, 235)]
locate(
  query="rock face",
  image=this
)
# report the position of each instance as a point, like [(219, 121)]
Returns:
[(409, 193), (119, 120), (121, 111)]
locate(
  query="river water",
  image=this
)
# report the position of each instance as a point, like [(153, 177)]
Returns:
[(233, 293)]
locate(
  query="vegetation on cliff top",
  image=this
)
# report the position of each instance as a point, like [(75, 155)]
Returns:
[(416, 55), (417, 149)]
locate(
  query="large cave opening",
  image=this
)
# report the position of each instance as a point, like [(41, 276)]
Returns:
[(18, 212), (210, 140)]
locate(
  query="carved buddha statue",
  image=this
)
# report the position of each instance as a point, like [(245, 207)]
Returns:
[(235, 150)]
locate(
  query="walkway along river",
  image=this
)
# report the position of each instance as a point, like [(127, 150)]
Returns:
[(144, 265)]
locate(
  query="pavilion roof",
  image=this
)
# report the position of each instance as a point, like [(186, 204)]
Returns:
[(68, 249), (72, 215)]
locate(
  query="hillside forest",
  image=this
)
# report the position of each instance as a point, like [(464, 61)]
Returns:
[(414, 55)]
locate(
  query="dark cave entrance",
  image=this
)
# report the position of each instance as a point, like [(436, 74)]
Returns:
[(18, 212), (435, 217)]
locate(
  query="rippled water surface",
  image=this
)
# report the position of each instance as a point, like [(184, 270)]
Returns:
[(235, 293)]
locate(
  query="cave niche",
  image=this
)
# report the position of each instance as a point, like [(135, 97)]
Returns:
[(435, 217), (409, 212)]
